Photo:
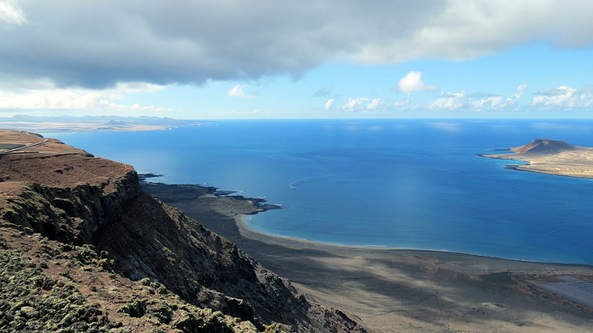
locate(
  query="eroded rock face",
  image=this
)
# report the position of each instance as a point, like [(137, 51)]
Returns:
[(70, 205), (77, 199), (156, 241)]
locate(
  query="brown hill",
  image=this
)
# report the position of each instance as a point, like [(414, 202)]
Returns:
[(544, 146), (83, 225), (551, 157)]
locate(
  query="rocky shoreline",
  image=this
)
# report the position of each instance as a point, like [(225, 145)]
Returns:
[(195, 190)]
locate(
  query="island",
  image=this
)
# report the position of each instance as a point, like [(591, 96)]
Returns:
[(550, 157)]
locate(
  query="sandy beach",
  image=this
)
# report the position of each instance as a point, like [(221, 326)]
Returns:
[(393, 290)]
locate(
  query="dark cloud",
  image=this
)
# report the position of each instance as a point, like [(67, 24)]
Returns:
[(95, 43)]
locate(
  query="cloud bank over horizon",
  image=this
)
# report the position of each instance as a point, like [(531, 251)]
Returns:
[(79, 99), (193, 42)]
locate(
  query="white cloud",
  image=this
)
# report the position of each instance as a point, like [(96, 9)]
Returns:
[(401, 104), (375, 104), (564, 97), (449, 101), (76, 98), (11, 14), (237, 91), (515, 96), (477, 101), (137, 87), (97, 43), (354, 104), (329, 104), (360, 104), (492, 102), (412, 82)]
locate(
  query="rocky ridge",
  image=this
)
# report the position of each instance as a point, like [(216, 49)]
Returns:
[(86, 250)]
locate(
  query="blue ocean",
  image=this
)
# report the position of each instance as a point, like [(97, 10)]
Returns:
[(416, 184)]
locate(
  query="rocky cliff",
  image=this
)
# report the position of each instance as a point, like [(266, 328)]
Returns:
[(85, 249)]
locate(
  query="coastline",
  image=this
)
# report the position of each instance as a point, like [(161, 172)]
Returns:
[(403, 290), (576, 162)]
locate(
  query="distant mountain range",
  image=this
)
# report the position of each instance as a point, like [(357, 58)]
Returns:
[(65, 124), (108, 120)]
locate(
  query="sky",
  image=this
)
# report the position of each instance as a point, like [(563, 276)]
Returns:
[(230, 59)]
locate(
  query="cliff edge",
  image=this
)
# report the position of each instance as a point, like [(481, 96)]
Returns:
[(85, 249)]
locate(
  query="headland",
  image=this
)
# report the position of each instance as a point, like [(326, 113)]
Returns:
[(550, 157)]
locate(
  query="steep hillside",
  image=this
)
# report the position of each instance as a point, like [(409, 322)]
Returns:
[(544, 146), (83, 223)]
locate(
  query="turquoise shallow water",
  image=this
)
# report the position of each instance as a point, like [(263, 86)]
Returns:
[(395, 183)]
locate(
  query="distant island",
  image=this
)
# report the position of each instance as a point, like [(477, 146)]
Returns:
[(551, 157), (69, 124)]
